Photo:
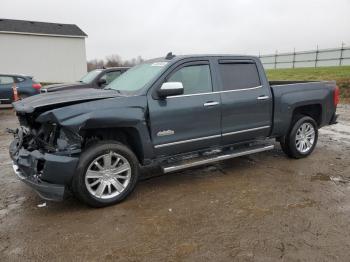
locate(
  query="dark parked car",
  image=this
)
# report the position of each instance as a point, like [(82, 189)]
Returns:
[(174, 112), (26, 86), (97, 78)]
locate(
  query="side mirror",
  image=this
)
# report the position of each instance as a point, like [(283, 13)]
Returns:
[(101, 82), (170, 89)]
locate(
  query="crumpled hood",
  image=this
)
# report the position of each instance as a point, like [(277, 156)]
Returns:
[(64, 86), (124, 111), (58, 99)]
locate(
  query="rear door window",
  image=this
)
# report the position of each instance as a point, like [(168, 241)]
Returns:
[(236, 76)]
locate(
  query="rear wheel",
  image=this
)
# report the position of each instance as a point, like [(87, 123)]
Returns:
[(106, 174), (301, 139)]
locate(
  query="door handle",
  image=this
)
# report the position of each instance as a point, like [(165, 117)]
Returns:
[(263, 97), (211, 103)]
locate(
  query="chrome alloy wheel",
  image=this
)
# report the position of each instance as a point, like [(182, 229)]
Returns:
[(108, 175), (305, 137)]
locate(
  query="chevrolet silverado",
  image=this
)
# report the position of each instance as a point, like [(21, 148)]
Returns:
[(174, 112)]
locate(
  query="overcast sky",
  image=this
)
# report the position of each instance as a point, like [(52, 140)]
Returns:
[(151, 28)]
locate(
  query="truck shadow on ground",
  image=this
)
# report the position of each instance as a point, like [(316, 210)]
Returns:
[(152, 180)]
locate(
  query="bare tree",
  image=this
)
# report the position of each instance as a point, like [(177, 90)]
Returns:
[(94, 64), (113, 61)]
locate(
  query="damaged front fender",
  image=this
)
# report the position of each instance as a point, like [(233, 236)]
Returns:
[(120, 112)]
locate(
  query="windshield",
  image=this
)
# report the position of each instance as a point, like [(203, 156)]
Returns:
[(89, 77), (137, 77)]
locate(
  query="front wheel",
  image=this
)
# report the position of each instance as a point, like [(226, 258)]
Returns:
[(106, 174), (302, 138)]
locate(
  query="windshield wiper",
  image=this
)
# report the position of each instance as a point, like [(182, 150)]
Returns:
[(108, 88)]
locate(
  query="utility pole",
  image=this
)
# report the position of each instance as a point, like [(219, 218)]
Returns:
[(294, 58), (341, 54), (316, 56), (276, 59)]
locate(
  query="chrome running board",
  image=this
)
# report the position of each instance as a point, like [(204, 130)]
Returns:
[(220, 157)]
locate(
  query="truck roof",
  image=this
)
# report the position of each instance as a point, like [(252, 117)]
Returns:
[(180, 57), (113, 68)]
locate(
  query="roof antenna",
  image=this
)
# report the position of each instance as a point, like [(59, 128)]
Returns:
[(169, 56)]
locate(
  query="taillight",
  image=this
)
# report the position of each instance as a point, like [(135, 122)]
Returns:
[(336, 96), (36, 86)]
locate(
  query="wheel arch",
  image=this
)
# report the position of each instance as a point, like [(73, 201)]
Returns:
[(129, 136), (312, 110)]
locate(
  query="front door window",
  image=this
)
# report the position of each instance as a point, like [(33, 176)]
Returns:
[(195, 79)]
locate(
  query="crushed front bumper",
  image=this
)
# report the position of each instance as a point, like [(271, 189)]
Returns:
[(45, 190), (48, 174)]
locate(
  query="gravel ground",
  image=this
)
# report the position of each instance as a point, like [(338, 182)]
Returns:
[(263, 207)]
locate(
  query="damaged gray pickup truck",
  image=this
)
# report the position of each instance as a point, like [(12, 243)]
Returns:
[(174, 112)]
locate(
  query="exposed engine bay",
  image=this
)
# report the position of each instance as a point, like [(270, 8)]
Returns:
[(46, 137)]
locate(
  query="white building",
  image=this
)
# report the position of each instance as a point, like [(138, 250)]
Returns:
[(48, 51)]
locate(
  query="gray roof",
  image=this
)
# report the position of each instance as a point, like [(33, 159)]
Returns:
[(40, 28)]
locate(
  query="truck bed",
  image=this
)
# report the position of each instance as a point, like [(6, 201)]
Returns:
[(317, 96), (288, 82)]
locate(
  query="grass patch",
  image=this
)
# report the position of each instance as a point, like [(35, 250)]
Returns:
[(310, 73), (341, 74)]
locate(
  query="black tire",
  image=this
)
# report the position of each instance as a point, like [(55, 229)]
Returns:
[(101, 148), (288, 143), (284, 147)]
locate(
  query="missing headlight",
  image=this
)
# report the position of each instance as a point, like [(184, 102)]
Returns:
[(68, 141)]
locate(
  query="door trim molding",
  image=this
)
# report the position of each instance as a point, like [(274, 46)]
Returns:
[(210, 137), (217, 92), (245, 130), (186, 141)]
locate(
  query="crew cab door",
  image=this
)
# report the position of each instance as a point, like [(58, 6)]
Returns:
[(187, 122), (6, 91), (246, 101)]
